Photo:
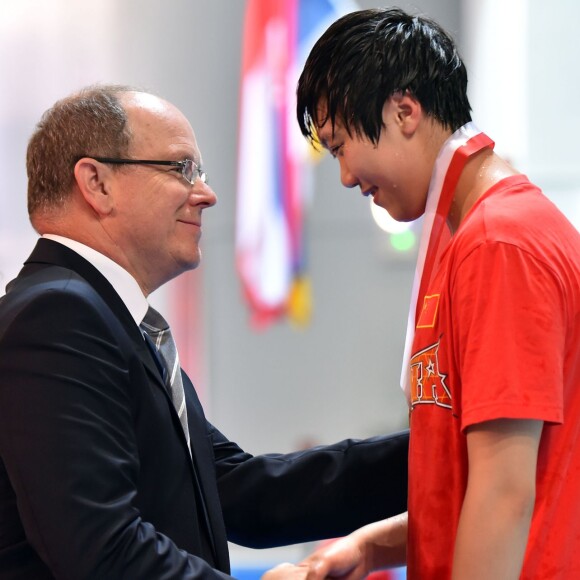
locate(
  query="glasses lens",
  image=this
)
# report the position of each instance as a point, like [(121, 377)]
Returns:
[(191, 172)]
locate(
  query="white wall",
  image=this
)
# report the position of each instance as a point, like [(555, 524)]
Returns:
[(524, 87)]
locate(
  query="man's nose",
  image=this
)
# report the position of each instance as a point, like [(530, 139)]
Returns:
[(202, 193), (347, 178)]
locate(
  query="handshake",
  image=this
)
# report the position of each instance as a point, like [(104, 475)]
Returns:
[(379, 545)]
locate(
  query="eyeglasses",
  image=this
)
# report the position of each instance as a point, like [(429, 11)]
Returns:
[(189, 169)]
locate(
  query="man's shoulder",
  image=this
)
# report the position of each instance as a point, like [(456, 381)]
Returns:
[(516, 212), (49, 295), (48, 282)]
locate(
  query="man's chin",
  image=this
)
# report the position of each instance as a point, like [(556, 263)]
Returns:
[(192, 262)]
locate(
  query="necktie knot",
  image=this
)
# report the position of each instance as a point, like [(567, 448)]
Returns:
[(153, 323)]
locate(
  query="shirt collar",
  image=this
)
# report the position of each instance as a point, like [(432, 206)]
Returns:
[(124, 284)]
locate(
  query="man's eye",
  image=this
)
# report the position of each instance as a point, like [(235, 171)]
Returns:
[(334, 151)]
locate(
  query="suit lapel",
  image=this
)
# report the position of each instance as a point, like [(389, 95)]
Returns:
[(49, 252), (203, 460)]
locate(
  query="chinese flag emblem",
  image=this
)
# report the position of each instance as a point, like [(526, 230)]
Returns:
[(429, 312)]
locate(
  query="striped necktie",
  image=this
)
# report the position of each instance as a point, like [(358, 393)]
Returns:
[(159, 332)]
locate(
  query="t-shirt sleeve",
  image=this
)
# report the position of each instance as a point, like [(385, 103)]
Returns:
[(510, 316)]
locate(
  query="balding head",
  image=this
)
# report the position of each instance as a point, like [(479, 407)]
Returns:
[(118, 185), (90, 122)]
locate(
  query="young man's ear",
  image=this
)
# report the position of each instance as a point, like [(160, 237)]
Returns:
[(94, 183), (405, 111)]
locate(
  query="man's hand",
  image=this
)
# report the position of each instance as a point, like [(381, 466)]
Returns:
[(379, 545), (286, 572), (344, 559)]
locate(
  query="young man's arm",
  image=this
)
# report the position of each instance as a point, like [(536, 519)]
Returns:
[(499, 501)]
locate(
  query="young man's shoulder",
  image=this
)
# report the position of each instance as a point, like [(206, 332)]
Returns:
[(517, 212)]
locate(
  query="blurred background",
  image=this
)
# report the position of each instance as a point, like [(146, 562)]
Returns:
[(273, 382)]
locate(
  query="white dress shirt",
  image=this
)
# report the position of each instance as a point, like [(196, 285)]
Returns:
[(124, 284)]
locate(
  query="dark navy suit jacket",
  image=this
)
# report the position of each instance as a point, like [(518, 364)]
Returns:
[(95, 475)]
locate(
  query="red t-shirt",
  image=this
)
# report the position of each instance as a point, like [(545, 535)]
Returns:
[(499, 337)]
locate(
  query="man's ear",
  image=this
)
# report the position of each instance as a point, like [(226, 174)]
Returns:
[(94, 183), (406, 111)]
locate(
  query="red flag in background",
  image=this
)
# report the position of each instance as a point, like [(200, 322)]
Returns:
[(274, 160)]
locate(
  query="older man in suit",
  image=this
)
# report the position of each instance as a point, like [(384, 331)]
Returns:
[(108, 467)]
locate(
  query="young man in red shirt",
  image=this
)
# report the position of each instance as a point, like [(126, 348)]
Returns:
[(493, 370)]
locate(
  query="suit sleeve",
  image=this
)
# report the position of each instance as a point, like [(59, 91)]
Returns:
[(68, 446), (325, 492)]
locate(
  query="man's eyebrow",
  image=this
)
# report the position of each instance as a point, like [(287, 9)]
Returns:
[(188, 155), (324, 140), (328, 140)]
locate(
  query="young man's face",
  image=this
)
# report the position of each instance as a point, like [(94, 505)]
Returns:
[(397, 170)]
